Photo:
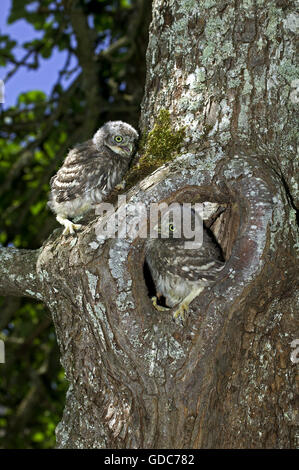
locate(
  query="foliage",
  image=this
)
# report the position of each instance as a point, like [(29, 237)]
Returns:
[(35, 135)]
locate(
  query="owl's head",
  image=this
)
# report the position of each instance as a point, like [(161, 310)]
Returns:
[(118, 136), (179, 222)]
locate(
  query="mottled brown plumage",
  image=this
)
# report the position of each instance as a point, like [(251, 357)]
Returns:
[(181, 273), (90, 171)]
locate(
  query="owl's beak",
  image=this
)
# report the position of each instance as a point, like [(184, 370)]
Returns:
[(128, 149)]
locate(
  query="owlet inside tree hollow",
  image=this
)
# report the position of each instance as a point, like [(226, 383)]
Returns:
[(180, 272)]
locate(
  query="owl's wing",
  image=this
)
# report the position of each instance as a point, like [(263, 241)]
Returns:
[(83, 171), (85, 181), (195, 269), (203, 263)]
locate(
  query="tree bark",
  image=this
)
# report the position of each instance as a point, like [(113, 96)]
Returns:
[(18, 273), (225, 378)]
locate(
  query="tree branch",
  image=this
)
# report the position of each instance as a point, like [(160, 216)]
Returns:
[(18, 276), (85, 52)]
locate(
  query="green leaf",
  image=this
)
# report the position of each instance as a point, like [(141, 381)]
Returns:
[(38, 437), (17, 11), (125, 3), (34, 96), (36, 208)]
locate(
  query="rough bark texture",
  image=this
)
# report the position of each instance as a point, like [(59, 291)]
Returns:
[(225, 378), (18, 273)]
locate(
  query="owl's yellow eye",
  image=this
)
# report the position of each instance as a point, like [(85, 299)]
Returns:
[(118, 138), (171, 227)]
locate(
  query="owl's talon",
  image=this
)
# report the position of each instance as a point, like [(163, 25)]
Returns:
[(70, 228), (179, 314), (120, 186), (160, 308)]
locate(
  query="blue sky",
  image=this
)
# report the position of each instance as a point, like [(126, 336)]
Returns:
[(25, 80)]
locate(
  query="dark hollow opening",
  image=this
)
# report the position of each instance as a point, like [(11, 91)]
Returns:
[(151, 288)]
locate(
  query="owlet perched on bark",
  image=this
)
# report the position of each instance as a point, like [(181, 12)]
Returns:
[(90, 171), (179, 272)]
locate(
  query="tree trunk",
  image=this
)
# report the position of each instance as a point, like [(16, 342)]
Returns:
[(224, 379)]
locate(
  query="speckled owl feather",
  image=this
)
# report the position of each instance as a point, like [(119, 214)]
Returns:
[(91, 170), (180, 274)]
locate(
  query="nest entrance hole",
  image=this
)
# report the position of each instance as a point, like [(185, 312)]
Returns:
[(222, 222)]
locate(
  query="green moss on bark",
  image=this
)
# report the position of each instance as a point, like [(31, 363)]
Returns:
[(161, 144)]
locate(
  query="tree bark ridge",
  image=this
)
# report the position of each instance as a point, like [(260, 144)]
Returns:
[(19, 273)]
